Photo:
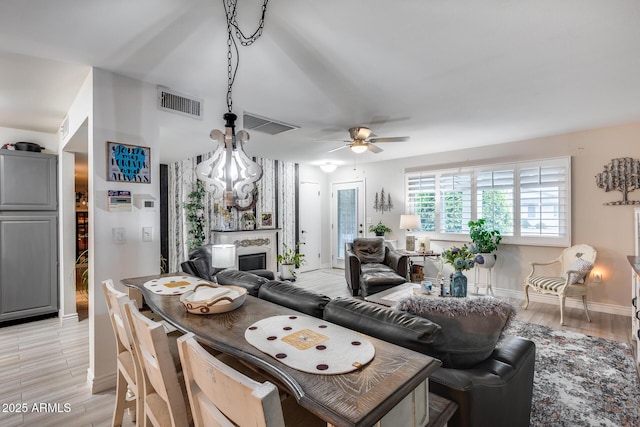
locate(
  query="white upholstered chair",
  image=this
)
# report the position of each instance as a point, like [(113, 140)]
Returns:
[(575, 265), (164, 398), (129, 374), (222, 396)]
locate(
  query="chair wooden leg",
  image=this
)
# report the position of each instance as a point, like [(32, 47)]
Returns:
[(586, 309), (526, 296), (121, 400), (561, 309)]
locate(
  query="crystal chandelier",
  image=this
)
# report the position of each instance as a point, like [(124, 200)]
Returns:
[(230, 174)]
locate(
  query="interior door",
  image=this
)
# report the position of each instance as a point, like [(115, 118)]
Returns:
[(347, 217), (310, 237)]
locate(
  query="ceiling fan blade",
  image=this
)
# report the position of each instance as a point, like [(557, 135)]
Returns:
[(374, 148), (339, 148), (390, 139)]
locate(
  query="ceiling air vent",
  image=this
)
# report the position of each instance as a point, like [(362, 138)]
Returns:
[(169, 100), (262, 124)]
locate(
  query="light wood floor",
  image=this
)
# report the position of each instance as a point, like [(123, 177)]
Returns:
[(46, 361)]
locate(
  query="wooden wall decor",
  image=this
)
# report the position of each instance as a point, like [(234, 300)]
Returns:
[(622, 175)]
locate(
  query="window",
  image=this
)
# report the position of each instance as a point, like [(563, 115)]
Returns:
[(529, 202)]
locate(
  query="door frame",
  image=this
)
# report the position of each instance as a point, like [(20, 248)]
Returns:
[(362, 198)]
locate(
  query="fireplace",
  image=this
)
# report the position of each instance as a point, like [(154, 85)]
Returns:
[(259, 245), (257, 261)]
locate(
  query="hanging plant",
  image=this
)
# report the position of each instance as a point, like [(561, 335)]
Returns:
[(195, 216)]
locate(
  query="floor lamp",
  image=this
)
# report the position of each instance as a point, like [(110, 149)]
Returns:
[(410, 222)]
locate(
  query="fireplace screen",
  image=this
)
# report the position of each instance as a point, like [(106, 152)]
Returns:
[(252, 261)]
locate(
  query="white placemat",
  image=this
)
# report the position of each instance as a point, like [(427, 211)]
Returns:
[(173, 285), (310, 345)]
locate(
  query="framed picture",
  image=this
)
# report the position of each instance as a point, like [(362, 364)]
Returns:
[(266, 220), (128, 163)]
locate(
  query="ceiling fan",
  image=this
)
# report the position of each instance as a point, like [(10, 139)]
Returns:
[(363, 139)]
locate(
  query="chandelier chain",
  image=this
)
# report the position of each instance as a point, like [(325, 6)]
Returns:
[(230, 8)]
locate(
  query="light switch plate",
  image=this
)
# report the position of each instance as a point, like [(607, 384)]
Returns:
[(119, 235), (147, 234)]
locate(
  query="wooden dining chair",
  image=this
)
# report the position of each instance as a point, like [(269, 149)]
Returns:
[(221, 396), (129, 378), (164, 399)]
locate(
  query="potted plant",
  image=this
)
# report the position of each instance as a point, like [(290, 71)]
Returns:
[(289, 260), (248, 221), (379, 229), (462, 258), (485, 242)]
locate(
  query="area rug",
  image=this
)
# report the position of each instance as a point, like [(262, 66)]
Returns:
[(581, 380)]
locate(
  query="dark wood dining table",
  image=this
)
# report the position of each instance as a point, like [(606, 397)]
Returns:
[(358, 398)]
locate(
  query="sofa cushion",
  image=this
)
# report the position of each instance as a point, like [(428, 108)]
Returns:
[(369, 249), (295, 297), (471, 327), (375, 267), (397, 327), (251, 282)]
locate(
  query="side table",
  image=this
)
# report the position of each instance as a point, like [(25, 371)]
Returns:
[(488, 280)]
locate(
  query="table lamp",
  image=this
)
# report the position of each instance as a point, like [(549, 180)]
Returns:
[(223, 256), (410, 222)]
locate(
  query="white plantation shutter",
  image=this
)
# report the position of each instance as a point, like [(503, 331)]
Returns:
[(544, 201), (495, 199), (455, 202), (529, 202), (421, 197)]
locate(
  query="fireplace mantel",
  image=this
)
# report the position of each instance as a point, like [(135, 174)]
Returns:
[(252, 242)]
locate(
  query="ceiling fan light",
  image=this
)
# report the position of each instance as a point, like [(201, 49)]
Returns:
[(358, 148), (328, 167)]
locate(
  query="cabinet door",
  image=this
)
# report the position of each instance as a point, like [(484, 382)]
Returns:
[(28, 265), (28, 181)]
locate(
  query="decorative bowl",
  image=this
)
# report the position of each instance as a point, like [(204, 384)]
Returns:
[(213, 299)]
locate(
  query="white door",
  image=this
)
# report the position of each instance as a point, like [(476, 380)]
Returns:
[(347, 217), (310, 239)]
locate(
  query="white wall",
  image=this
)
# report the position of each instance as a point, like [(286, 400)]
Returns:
[(120, 109), (608, 228)]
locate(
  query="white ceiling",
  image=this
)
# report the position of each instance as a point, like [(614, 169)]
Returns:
[(449, 74)]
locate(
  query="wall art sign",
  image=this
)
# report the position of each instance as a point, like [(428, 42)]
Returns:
[(621, 175), (128, 163)]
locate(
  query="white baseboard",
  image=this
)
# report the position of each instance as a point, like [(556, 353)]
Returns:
[(96, 385), (569, 302), (73, 317)]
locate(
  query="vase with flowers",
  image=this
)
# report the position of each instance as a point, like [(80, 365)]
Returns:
[(461, 258)]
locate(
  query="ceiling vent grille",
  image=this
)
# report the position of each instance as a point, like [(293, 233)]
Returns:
[(169, 100), (262, 124)]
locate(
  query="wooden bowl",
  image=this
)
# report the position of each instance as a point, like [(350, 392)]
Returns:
[(213, 299)]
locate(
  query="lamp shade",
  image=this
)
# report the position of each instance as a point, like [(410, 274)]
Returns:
[(409, 222), (223, 256)]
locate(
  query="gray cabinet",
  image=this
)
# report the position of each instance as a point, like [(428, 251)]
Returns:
[(28, 234), (28, 264), (28, 181)]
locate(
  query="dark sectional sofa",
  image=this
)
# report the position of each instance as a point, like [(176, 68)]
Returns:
[(492, 386)]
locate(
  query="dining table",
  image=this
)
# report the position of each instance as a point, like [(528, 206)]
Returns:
[(358, 398)]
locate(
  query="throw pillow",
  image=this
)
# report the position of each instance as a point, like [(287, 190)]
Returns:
[(471, 327), (581, 266)]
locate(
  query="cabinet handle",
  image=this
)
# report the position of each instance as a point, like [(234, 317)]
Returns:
[(638, 315), (638, 334), (634, 301)]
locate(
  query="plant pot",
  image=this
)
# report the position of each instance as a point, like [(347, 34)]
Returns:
[(458, 284), (287, 272), (379, 234), (489, 260)]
